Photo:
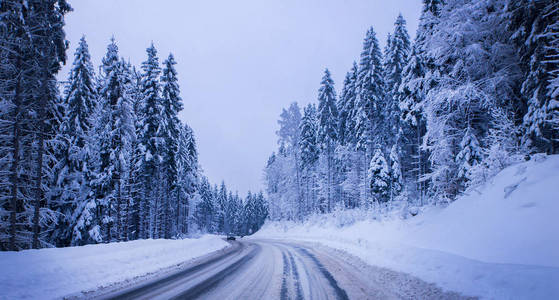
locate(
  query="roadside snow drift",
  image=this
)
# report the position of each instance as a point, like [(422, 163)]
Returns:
[(499, 241), (57, 272)]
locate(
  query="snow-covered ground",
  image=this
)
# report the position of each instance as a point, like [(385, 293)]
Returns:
[(500, 241), (55, 273)]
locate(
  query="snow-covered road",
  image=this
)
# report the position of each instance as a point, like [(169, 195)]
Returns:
[(276, 269)]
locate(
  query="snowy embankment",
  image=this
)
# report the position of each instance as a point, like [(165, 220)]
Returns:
[(57, 272), (500, 241)]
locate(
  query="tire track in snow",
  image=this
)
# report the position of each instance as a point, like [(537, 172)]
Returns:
[(211, 282), (284, 279), (340, 293), (296, 280)]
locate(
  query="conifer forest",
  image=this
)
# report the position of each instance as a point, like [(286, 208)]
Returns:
[(279, 149)]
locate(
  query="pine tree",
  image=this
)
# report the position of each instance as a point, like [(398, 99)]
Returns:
[(346, 106), (73, 170), (396, 58), (135, 181), (379, 177), (309, 153), (115, 131), (469, 156), (370, 95), (172, 105), (13, 50), (45, 24), (308, 143), (188, 177), (149, 140), (205, 209), (327, 130)]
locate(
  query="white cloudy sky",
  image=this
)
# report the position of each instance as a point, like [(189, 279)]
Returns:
[(239, 62)]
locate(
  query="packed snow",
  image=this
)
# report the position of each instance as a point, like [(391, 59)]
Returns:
[(497, 241), (58, 272)]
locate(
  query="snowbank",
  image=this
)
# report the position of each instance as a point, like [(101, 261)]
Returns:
[(500, 241), (54, 273)]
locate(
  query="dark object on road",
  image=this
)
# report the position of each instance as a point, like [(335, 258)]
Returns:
[(231, 238)]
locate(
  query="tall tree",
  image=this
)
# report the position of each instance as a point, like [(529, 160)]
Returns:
[(396, 58), (45, 24), (412, 92), (327, 134), (74, 172), (309, 154), (149, 140), (172, 105), (370, 95)]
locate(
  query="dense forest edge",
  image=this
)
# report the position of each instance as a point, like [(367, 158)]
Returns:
[(102, 157), (420, 122)]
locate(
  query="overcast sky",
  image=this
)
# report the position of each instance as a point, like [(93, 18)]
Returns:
[(239, 62)]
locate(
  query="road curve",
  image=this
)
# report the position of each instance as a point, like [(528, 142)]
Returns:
[(273, 269)]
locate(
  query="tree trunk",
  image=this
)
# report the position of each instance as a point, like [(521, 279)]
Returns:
[(186, 208), (39, 171), (15, 162), (127, 214), (177, 224), (118, 212)]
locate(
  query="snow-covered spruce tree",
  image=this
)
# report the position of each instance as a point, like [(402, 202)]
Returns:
[(135, 190), (254, 213), (115, 133), (469, 156), (272, 180), (370, 96), (411, 94), (396, 58), (534, 25), (249, 224), (149, 140), (231, 208), (346, 107), (218, 210), (124, 137), (327, 135), (91, 214), (205, 211), (346, 137), (45, 23), (172, 105), (369, 101), (15, 77), (260, 212), (378, 177), (188, 176), (32, 50), (309, 156), (80, 100)]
